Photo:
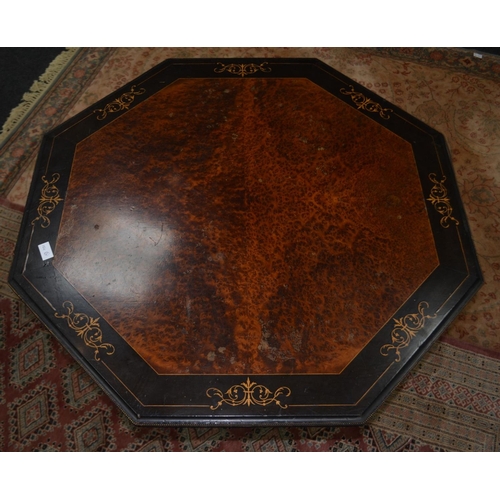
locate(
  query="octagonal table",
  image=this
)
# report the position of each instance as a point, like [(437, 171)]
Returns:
[(245, 242)]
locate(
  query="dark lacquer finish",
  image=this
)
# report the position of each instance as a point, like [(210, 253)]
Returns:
[(245, 242)]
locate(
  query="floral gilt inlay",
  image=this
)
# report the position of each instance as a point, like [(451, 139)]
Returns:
[(88, 328), (123, 102), (440, 201), (242, 69), (249, 393), (405, 329), (48, 200), (363, 102)]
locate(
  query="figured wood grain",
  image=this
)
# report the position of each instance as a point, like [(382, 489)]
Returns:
[(245, 226)]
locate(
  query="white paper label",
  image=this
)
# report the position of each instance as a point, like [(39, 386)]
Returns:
[(45, 251)]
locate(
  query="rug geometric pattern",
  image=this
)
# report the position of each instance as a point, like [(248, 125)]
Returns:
[(30, 359), (450, 401), (78, 388), (93, 431), (33, 416), (10, 220), (2, 384)]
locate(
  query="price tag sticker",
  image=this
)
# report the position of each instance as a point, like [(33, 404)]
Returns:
[(45, 251)]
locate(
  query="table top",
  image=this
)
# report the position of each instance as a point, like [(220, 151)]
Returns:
[(254, 242)]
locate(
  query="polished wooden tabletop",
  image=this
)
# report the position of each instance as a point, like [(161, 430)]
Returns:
[(229, 222), (249, 223)]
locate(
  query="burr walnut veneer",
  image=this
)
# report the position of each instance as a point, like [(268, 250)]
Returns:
[(246, 242)]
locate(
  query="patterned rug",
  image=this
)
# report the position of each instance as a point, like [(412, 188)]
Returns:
[(449, 402)]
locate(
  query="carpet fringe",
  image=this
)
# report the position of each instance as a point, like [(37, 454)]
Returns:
[(36, 91)]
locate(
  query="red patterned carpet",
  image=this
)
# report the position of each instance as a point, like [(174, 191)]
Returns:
[(449, 402)]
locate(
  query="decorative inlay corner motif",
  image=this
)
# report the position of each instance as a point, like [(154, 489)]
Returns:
[(123, 102), (405, 330), (363, 102), (88, 328), (242, 69), (440, 200), (48, 200), (249, 393)]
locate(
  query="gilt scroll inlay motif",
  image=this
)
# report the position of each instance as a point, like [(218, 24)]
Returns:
[(249, 393), (48, 200), (242, 69), (363, 102), (123, 102), (405, 329), (87, 328), (440, 201)]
